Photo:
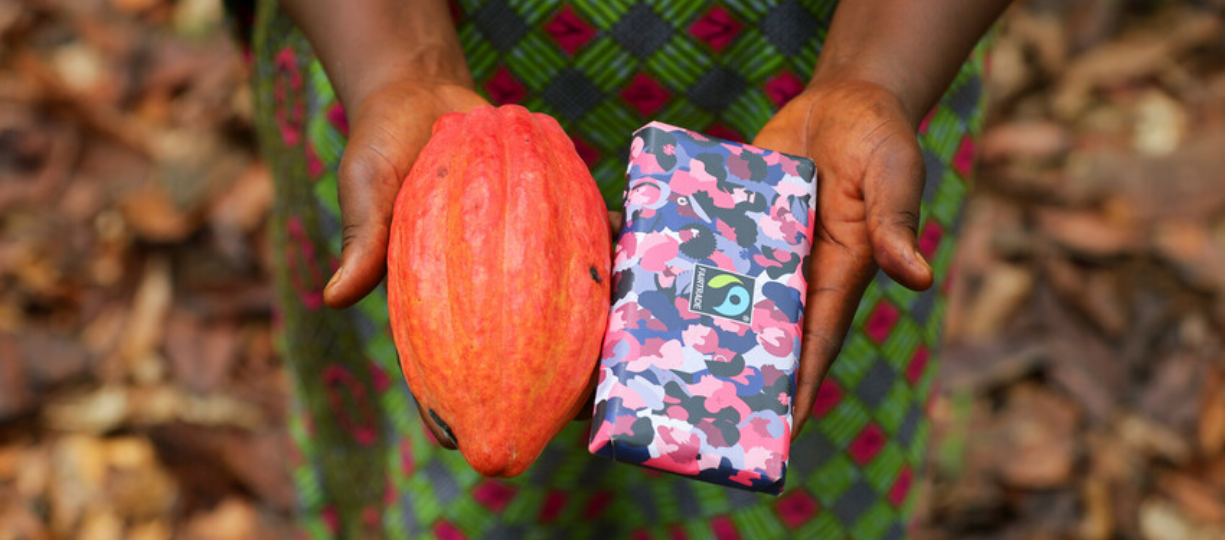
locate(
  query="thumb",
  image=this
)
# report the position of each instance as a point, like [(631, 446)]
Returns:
[(893, 190), (374, 165)]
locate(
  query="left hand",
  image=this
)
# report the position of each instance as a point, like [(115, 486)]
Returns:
[(870, 181)]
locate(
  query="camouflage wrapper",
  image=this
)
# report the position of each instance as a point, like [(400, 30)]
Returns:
[(698, 365)]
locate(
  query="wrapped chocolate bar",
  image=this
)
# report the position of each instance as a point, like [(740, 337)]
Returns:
[(709, 278)]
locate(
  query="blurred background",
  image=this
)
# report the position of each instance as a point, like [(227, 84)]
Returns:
[(1083, 385)]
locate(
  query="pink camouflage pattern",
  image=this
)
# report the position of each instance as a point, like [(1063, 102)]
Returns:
[(703, 339)]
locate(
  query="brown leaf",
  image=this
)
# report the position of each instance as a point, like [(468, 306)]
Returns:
[(1159, 520), (101, 524), (1182, 185), (98, 115), (1198, 500), (1004, 289), (10, 458), (1212, 414), (33, 473), (154, 217), (137, 487), (246, 203), (241, 209), (201, 355), (1090, 21), (233, 519), (15, 398), (87, 411), (1040, 428), (1171, 395), (20, 521), (1214, 472), (1137, 55), (1153, 439), (79, 465), (1094, 294), (1161, 124), (258, 460), (53, 358), (134, 6), (151, 530), (1113, 462), (1010, 73), (148, 317), (1026, 140), (1194, 255), (1044, 34), (1090, 233)]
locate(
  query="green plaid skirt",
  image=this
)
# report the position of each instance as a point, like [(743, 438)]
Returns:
[(363, 464)]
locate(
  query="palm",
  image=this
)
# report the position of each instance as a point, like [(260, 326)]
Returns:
[(389, 130), (870, 180)]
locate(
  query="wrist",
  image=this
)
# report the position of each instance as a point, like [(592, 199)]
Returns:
[(834, 70), (422, 65)]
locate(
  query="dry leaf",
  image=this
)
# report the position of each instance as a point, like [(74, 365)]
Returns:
[(1004, 290), (1098, 520), (201, 355), (233, 519), (1040, 429), (1161, 124), (1199, 501), (154, 217), (1212, 414), (77, 485), (101, 525), (1027, 139), (1153, 439), (15, 398), (1089, 233), (243, 207)]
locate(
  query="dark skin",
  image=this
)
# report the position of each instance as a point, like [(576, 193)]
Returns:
[(397, 66)]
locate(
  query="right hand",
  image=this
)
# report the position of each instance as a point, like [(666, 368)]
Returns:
[(389, 128)]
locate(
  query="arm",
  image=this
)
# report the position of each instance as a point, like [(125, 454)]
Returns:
[(884, 65), (364, 44), (913, 49), (396, 66)]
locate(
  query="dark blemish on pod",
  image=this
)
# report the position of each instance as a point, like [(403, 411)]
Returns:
[(595, 275), (442, 172), (446, 430)]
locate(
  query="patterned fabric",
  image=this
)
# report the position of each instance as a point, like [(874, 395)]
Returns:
[(709, 275), (363, 464), (606, 68)]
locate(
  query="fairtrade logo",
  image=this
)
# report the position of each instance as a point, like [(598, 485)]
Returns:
[(737, 299), (723, 294)]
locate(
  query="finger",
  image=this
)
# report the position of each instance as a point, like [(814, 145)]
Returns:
[(375, 163), (616, 220), (893, 190), (838, 278), (442, 434)]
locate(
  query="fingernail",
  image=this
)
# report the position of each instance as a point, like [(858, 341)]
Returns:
[(335, 278)]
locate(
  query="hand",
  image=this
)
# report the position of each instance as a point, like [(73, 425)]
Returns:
[(390, 126), (870, 181)]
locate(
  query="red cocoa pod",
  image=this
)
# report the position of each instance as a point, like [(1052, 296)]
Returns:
[(498, 283)]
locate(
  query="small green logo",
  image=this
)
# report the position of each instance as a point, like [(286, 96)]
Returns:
[(723, 294)]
